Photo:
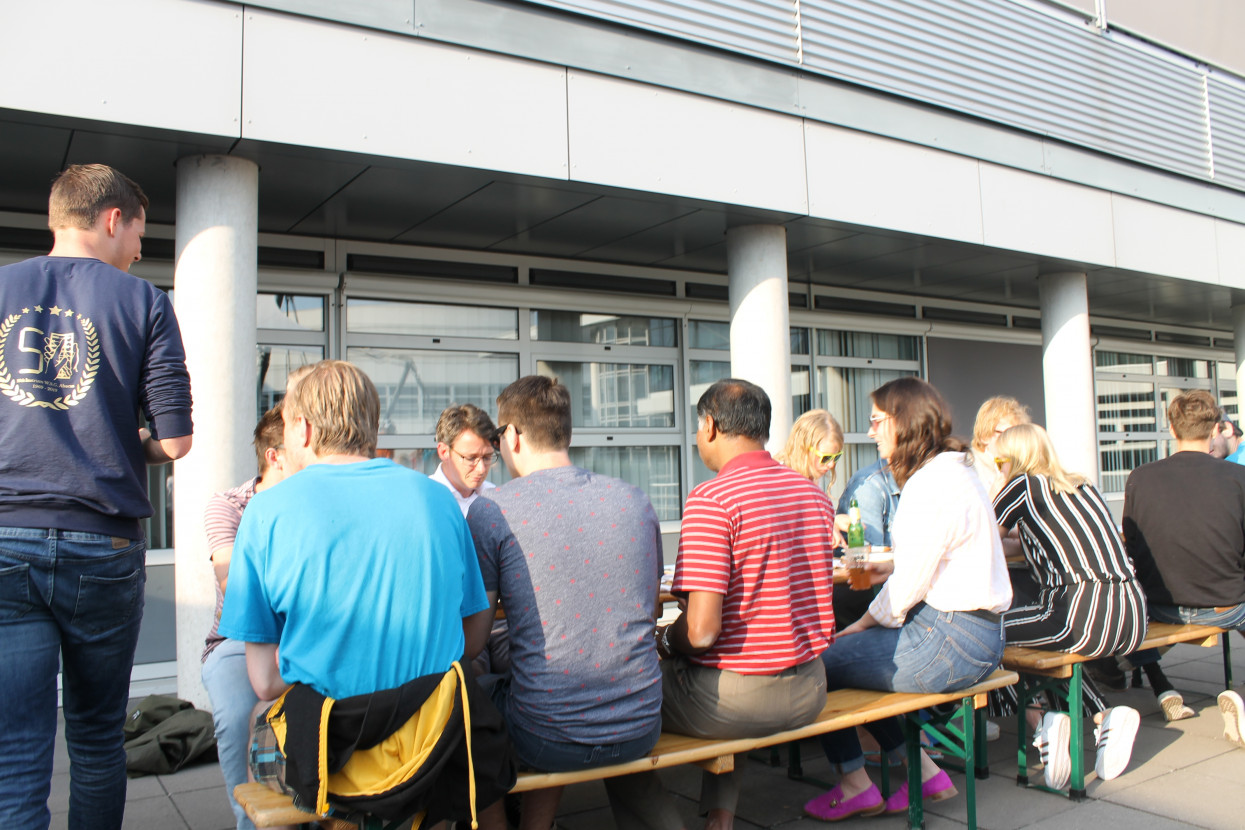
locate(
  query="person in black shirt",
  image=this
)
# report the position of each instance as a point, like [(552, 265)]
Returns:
[(1184, 527)]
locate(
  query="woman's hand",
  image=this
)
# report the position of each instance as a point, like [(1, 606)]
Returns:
[(864, 623)]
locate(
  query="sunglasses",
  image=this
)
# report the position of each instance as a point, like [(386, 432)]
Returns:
[(824, 458), (999, 462)]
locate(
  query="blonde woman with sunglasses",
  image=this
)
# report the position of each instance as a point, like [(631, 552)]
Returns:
[(814, 446), (1087, 600)]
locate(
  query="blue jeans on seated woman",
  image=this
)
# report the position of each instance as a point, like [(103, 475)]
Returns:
[(932, 652)]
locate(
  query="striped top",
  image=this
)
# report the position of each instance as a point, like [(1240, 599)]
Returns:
[(760, 534), (220, 519), (1068, 538)]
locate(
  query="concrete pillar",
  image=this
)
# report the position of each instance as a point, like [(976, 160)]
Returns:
[(214, 294), (1238, 340), (756, 262), (1068, 371)]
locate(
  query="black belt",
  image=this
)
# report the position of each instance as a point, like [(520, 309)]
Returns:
[(980, 613)]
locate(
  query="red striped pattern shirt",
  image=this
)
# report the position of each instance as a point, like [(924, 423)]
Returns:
[(760, 534)]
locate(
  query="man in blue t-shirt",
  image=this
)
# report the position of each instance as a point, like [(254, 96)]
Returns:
[(84, 349), (361, 571), (575, 558)]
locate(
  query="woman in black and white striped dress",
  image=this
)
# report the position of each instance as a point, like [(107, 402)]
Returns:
[(1088, 600)]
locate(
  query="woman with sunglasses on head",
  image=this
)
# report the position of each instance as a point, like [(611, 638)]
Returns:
[(1087, 598), (935, 625)]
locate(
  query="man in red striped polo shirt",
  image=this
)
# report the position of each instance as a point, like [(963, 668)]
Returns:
[(755, 565)]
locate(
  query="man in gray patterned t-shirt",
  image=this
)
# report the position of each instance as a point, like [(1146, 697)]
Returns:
[(575, 559)]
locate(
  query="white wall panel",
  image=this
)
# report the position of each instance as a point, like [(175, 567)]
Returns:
[(648, 138), (867, 180), (1040, 215), (327, 85), (1230, 248), (170, 64), (1160, 240)]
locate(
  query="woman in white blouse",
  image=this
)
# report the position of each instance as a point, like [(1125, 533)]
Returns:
[(935, 626)]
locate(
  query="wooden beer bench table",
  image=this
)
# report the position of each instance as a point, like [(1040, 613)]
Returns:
[(1046, 671), (844, 709)]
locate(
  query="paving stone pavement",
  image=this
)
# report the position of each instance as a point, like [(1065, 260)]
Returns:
[(1182, 775)]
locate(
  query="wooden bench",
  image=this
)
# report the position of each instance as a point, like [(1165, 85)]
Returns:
[(1046, 671), (844, 709)]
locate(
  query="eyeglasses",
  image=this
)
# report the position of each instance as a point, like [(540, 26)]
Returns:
[(999, 462), (501, 430), (473, 461), (824, 458), (877, 419)]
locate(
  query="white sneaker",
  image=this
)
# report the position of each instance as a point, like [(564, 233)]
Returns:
[(1173, 706), (1114, 737), (1233, 717), (1051, 739), (992, 731)]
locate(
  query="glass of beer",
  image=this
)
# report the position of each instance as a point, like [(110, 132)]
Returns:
[(858, 576)]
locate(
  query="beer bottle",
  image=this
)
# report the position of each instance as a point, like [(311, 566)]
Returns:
[(855, 530)]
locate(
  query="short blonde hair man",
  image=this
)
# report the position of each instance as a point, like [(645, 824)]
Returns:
[(995, 411), (343, 405)]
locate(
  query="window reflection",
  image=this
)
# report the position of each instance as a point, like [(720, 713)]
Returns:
[(416, 384), (616, 394), (655, 470), (275, 365), (1124, 406), (608, 329), (1119, 458), (844, 393), (431, 320), (296, 312)]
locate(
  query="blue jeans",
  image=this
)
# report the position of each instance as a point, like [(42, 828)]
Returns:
[(229, 688), (564, 756), (933, 652), (76, 597), (1232, 617)]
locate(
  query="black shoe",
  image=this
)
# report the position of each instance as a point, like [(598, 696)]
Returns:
[(1107, 674)]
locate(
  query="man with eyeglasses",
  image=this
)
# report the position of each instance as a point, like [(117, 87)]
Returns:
[(465, 447)]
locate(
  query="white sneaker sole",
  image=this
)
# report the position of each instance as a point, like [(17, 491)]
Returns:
[(1056, 760), (1172, 704), (1115, 737), (1233, 710)]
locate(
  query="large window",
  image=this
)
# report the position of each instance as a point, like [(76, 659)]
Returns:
[(1133, 391)]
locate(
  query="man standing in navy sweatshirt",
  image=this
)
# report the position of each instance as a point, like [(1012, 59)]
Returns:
[(84, 348)]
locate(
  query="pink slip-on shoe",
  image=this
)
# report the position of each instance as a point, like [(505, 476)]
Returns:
[(936, 789), (832, 807)]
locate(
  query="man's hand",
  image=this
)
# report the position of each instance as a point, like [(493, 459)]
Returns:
[(261, 668), (163, 450)]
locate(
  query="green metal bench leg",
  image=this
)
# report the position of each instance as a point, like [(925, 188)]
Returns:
[(982, 768), (912, 738), (1227, 661), (1024, 696), (1076, 710), (970, 716), (795, 769)]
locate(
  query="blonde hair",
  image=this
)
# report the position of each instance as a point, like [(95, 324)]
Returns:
[(342, 403), (809, 430), (998, 408), (1030, 450)]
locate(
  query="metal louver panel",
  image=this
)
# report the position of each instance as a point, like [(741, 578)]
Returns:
[(1016, 66), (766, 28), (1227, 130)]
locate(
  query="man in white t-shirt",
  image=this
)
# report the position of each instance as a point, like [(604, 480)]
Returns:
[(465, 447)]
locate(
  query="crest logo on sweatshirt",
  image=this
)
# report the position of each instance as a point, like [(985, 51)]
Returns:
[(48, 357)]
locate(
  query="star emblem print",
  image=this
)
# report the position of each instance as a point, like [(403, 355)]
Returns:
[(39, 309), (25, 311), (68, 313), (55, 309)]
